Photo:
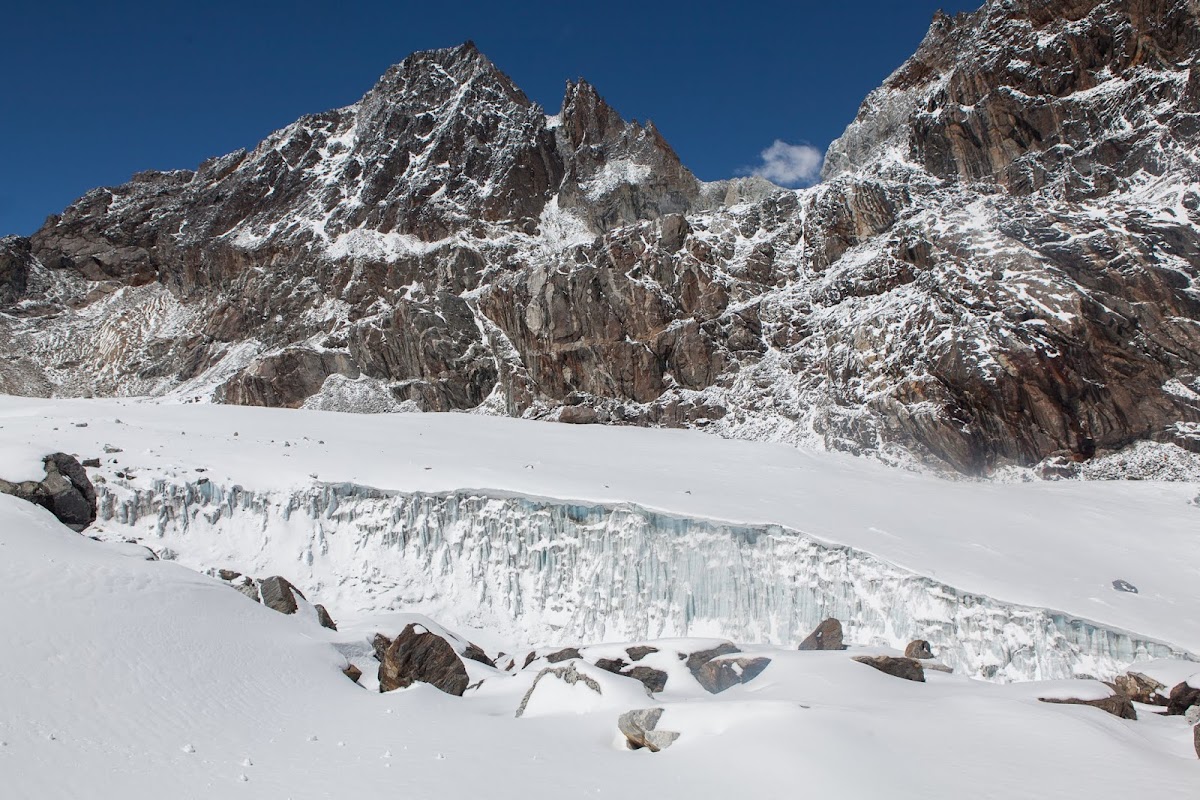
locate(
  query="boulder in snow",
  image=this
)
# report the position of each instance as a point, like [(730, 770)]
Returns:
[(640, 730), (1118, 704), (723, 673), (827, 636), (655, 680), (417, 655), (907, 668), (324, 618), (566, 654), (918, 648), (1140, 688), (352, 672), (1183, 697), (611, 664), (640, 651), (65, 492), (279, 594), (698, 659)]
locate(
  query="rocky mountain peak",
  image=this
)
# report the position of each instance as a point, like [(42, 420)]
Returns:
[(1002, 266)]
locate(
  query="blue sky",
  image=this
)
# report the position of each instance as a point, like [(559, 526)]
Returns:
[(95, 92)]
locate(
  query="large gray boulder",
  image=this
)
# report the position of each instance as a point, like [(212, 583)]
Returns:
[(65, 492)]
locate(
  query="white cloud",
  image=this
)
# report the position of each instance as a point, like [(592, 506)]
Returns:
[(790, 164)]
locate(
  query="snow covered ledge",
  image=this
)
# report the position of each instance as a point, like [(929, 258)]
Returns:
[(546, 571)]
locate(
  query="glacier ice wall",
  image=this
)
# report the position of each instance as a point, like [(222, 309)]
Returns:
[(542, 571)]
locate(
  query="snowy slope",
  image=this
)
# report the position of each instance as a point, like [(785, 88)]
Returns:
[(1056, 546), (136, 679)]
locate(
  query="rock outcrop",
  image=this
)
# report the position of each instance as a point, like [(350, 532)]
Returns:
[(1000, 267), (66, 492)]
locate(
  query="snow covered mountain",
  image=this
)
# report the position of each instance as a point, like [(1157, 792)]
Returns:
[(1000, 267)]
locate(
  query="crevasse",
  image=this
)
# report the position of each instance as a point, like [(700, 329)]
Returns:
[(541, 571)]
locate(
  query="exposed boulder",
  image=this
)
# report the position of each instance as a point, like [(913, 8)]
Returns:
[(566, 654), (1196, 739), (1140, 688), (475, 653), (324, 618), (352, 672), (723, 673), (698, 659), (918, 648), (640, 729), (907, 668), (827, 636), (417, 655), (611, 664), (1118, 704), (279, 594), (655, 680), (1183, 696), (65, 492), (638, 652)]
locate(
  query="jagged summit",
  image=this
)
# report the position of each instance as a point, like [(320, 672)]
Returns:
[(1001, 267)]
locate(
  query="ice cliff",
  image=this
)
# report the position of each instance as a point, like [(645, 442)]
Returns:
[(540, 571)]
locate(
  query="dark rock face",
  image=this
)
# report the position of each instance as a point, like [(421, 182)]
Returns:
[(918, 648), (827, 636), (907, 668), (1118, 705), (1182, 697), (417, 655), (723, 673), (1000, 267), (66, 492), (640, 729), (352, 672)]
